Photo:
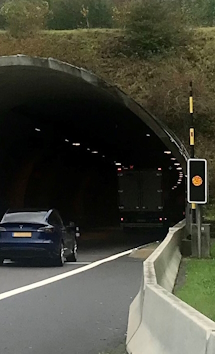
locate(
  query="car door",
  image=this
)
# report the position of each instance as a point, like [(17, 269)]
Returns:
[(55, 220)]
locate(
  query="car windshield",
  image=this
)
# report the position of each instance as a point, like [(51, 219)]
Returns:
[(33, 217)]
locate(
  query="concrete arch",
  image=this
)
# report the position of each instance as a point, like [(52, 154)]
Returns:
[(22, 62)]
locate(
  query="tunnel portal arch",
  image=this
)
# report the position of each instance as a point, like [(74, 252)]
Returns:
[(47, 94)]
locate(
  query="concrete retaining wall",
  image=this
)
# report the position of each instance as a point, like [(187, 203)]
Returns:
[(160, 323)]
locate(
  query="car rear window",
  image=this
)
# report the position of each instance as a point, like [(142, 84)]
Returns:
[(30, 217)]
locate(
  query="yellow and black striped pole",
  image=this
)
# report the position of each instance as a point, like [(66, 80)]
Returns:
[(192, 141), (192, 137)]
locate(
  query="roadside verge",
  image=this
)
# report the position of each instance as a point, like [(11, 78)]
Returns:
[(158, 321)]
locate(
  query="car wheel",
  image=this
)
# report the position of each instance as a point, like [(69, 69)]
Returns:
[(73, 257), (60, 259)]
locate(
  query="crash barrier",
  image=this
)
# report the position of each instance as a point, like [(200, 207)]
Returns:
[(159, 322)]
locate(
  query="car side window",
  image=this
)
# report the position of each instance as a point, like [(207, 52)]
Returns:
[(59, 220), (54, 219)]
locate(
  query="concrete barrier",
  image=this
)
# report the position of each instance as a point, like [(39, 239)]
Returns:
[(160, 323), (211, 344)]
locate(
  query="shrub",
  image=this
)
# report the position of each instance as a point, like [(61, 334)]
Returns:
[(153, 26), (24, 17)]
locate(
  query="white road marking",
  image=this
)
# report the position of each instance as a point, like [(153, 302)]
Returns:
[(62, 276)]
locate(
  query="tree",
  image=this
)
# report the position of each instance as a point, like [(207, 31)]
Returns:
[(25, 17), (70, 14), (66, 14), (100, 13)]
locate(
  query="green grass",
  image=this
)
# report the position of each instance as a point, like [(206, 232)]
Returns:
[(209, 211), (199, 288)]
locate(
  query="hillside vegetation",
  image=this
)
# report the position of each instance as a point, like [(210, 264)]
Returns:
[(159, 83)]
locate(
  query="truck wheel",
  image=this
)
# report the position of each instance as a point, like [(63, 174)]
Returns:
[(73, 256)]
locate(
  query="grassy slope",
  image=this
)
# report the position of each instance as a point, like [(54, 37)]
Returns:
[(199, 288), (161, 84)]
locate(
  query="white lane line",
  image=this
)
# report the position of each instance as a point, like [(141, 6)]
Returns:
[(62, 276)]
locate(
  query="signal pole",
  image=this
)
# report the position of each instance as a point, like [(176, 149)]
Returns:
[(192, 146)]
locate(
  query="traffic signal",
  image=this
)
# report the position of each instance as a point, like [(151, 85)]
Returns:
[(197, 181)]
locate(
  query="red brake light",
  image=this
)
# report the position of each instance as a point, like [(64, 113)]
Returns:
[(46, 229)]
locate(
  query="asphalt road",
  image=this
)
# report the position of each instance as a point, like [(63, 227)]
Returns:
[(85, 313)]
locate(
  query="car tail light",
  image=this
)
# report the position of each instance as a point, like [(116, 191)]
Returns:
[(160, 219), (46, 229), (122, 219)]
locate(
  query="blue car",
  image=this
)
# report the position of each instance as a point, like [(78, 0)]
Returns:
[(27, 234)]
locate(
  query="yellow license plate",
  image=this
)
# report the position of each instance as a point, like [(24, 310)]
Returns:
[(22, 234)]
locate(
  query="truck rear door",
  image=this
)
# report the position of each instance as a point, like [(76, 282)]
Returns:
[(129, 190), (151, 190)]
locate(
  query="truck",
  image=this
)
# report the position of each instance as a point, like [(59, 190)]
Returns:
[(141, 198)]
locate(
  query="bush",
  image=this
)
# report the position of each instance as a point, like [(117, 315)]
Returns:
[(153, 26), (199, 12), (24, 17)]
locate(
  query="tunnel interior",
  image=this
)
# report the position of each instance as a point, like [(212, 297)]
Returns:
[(60, 140)]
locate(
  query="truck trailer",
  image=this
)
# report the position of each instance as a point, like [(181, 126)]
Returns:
[(144, 199)]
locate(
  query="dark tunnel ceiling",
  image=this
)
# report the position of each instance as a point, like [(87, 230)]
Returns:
[(70, 103)]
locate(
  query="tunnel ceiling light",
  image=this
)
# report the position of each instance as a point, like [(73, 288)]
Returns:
[(173, 158), (88, 149), (67, 140), (103, 155), (179, 168), (94, 152), (159, 169), (76, 144), (177, 164), (167, 152), (118, 164), (38, 129), (148, 135)]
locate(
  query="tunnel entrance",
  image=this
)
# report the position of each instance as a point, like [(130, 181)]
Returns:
[(63, 131)]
